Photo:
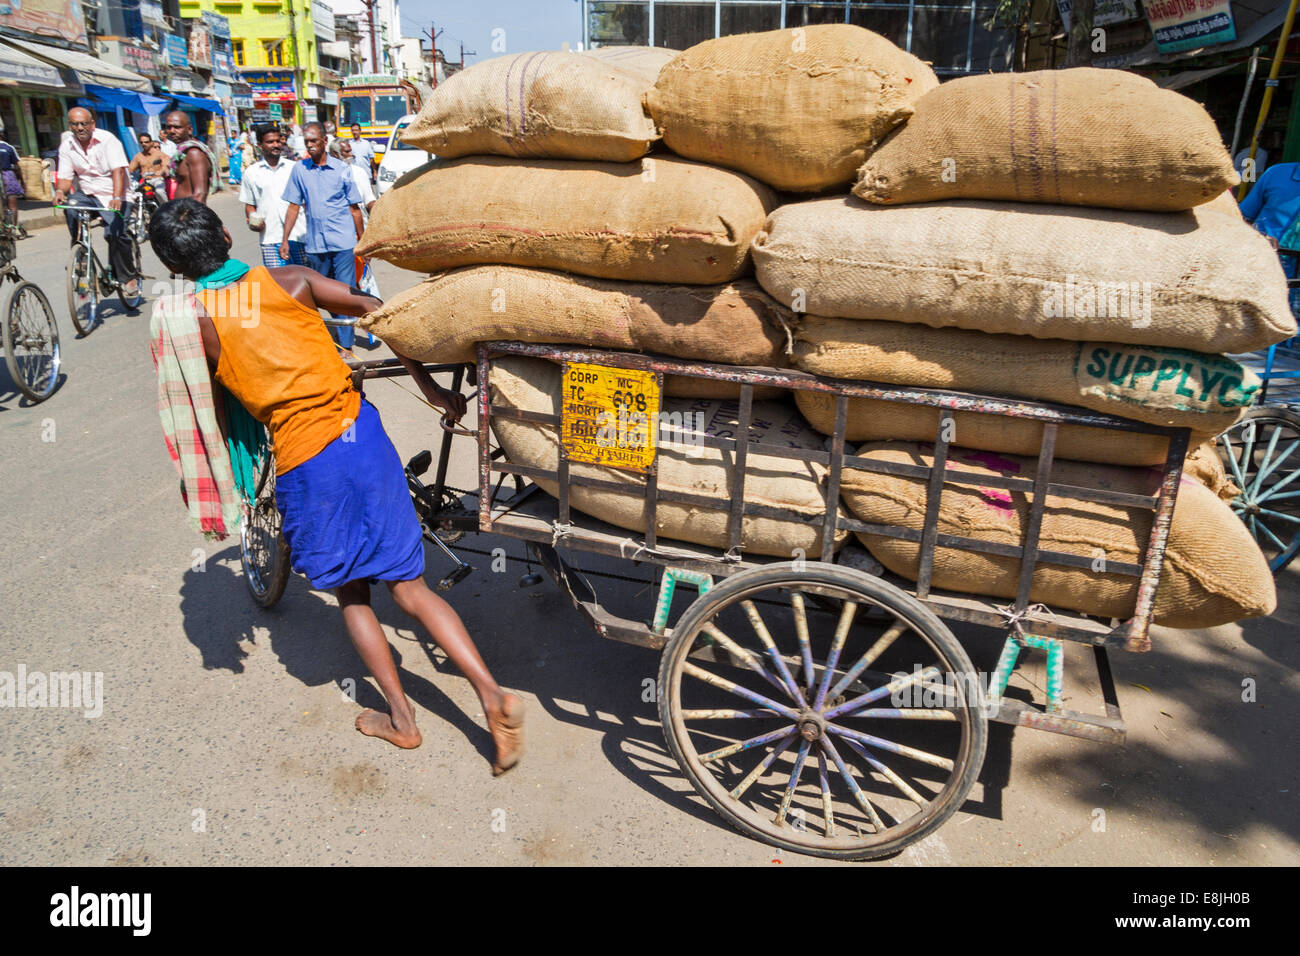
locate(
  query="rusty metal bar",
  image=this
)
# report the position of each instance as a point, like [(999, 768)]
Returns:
[(562, 478), (1153, 560), (1027, 563), (934, 492), (484, 455), (652, 504), (955, 477), (831, 518), (790, 378), (736, 516)]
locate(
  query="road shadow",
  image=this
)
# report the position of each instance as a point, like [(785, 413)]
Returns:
[(306, 633)]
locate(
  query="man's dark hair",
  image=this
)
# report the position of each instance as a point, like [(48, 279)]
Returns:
[(319, 126), (266, 130), (145, 136), (356, 126), (186, 235)]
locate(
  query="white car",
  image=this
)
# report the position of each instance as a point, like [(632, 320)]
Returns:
[(399, 158)]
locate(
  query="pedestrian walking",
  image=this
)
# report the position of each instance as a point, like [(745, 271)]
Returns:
[(262, 193), (322, 188)]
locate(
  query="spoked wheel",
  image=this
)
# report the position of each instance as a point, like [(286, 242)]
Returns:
[(263, 551), (132, 302), (1262, 455), (31, 342), (83, 289), (848, 734)]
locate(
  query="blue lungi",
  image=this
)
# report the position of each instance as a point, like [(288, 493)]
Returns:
[(347, 511)]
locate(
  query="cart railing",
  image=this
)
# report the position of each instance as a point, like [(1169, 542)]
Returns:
[(1132, 634)]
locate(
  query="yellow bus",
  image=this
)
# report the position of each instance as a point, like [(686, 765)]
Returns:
[(376, 101)]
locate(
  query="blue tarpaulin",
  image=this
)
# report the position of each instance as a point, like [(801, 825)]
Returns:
[(108, 98), (198, 103)]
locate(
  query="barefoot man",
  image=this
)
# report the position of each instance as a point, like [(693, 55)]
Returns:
[(193, 171), (340, 487)]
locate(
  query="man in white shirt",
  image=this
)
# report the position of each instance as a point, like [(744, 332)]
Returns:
[(260, 193), (363, 152), (96, 158)]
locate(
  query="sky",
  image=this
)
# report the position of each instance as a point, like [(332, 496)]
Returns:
[(513, 26)]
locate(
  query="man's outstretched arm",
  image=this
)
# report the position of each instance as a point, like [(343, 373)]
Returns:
[(317, 292)]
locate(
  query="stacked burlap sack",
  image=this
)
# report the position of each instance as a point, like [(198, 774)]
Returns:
[(1060, 236), (549, 217)]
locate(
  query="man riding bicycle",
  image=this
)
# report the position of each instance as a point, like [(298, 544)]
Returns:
[(96, 158)]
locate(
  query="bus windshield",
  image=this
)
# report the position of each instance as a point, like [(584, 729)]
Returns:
[(390, 107), (355, 109)]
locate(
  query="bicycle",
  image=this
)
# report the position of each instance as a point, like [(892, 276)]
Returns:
[(88, 279), (30, 333)]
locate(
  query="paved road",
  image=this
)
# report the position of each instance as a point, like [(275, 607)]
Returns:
[(225, 737)]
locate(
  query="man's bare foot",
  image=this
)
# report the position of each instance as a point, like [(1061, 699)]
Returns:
[(373, 723), (507, 728)]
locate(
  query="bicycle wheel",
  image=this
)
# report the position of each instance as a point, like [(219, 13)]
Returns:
[(132, 302), (263, 551), (83, 289), (31, 342), (834, 734), (1262, 456)]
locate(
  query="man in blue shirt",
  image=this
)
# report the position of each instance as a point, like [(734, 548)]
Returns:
[(323, 186), (1274, 202)]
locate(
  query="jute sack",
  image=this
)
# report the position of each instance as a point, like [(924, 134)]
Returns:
[(1197, 279), (1035, 137), (684, 386), (1204, 464), (878, 420), (644, 61), (442, 318), (537, 104), (1213, 572), (799, 109), (534, 385), (661, 220), (1152, 384)]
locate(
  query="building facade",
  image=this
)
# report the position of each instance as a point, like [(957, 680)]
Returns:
[(949, 34)]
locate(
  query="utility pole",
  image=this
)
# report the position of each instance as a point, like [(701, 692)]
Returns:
[(433, 33), (296, 83), (374, 53)]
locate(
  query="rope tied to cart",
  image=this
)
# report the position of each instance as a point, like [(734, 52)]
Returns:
[(1015, 619), (559, 530)]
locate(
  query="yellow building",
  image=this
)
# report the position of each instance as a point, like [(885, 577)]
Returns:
[(274, 44)]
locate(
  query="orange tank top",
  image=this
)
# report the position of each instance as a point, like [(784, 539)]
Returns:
[(278, 359)]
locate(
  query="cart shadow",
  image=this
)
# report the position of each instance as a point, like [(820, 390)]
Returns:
[(10, 397), (1209, 744), (306, 633)]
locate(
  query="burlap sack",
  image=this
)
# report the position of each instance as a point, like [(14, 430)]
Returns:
[(1204, 464), (534, 385), (798, 109), (1198, 280), (1159, 386), (1084, 137), (661, 220), (442, 318), (684, 386), (878, 420), (644, 61), (537, 104), (1213, 572)]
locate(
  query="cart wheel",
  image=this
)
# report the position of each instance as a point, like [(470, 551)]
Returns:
[(263, 551), (1262, 455), (83, 289), (31, 342), (834, 734)]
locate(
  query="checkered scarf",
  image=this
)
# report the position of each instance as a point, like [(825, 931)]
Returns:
[(189, 417)]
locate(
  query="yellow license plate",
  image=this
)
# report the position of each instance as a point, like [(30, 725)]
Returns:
[(609, 416)]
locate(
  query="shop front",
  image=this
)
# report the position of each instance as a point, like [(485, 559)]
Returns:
[(34, 96), (274, 96)]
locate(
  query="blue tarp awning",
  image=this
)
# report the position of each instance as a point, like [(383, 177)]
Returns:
[(144, 103), (199, 103)]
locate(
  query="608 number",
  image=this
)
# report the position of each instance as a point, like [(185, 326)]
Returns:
[(630, 400)]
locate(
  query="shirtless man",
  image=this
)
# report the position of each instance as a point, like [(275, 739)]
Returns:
[(192, 167)]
